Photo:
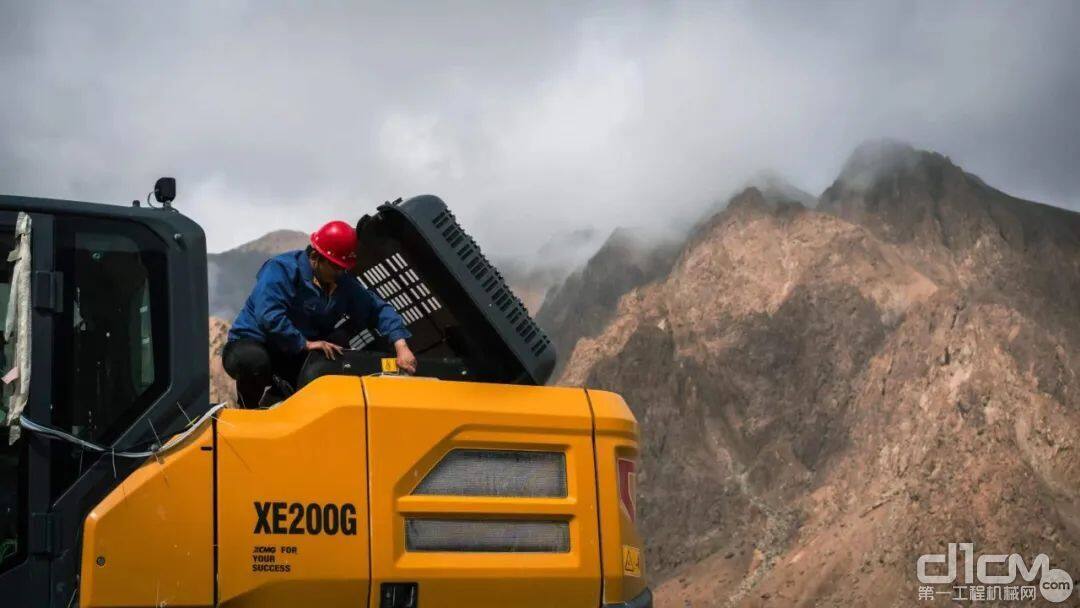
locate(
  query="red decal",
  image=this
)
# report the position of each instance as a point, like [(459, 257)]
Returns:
[(628, 486)]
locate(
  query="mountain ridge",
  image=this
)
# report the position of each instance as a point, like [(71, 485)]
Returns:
[(825, 394)]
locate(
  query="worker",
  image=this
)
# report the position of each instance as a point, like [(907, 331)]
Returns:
[(299, 301)]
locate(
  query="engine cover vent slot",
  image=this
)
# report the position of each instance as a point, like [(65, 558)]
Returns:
[(487, 536), (519, 474)]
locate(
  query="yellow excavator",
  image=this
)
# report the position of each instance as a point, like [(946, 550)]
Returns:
[(470, 484)]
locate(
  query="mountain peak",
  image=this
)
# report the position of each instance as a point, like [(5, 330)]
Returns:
[(908, 196), (879, 159), (777, 189), (275, 242), (588, 298), (904, 194)]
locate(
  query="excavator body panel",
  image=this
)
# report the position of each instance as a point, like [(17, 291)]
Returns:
[(372, 491)]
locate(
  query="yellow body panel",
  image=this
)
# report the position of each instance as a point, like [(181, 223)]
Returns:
[(165, 507), (624, 550), (344, 446), (414, 423), (309, 450)]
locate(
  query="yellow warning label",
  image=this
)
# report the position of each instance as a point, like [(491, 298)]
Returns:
[(389, 365), (631, 560)]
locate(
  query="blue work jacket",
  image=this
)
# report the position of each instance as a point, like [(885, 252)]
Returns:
[(286, 308)]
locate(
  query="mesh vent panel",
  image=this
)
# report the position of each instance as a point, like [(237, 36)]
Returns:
[(487, 536), (497, 473)]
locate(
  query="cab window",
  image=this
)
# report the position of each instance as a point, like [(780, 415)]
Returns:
[(109, 349)]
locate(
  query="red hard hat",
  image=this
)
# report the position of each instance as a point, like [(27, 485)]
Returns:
[(336, 241)]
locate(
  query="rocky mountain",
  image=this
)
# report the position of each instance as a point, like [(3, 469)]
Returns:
[(585, 302), (826, 394), (221, 386), (232, 273), (776, 188), (532, 276)]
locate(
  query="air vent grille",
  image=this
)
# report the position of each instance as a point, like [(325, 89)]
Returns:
[(487, 536), (524, 474), (494, 286)]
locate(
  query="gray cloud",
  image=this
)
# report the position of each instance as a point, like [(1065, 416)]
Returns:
[(531, 120)]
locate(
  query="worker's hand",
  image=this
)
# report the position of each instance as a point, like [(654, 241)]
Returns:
[(329, 349), (406, 360)]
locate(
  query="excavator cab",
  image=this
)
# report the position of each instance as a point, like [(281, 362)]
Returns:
[(105, 316)]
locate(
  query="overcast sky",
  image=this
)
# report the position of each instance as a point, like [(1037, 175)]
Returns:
[(530, 119)]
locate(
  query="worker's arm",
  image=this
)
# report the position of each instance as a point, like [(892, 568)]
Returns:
[(272, 294)]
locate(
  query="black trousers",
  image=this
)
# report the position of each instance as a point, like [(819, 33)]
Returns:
[(255, 366)]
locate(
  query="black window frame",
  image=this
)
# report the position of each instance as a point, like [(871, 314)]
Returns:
[(21, 580), (7, 225)]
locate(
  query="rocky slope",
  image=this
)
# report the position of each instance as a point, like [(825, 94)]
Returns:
[(582, 304), (826, 394), (585, 302), (221, 386)]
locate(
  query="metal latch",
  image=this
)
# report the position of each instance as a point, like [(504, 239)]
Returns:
[(47, 290)]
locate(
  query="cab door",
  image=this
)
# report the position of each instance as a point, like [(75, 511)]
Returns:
[(481, 495)]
